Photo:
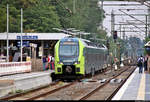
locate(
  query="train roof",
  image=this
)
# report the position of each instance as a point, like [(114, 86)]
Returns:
[(147, 44), (87, 43), (69, 39), (90, 44)]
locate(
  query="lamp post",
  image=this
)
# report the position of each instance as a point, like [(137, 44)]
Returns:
[(21, 33), (7, 33)]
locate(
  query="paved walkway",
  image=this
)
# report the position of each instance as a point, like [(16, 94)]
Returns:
[(24, 81), (137, 87), (19, 75)]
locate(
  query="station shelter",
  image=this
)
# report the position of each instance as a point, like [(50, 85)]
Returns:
[(35, 45)]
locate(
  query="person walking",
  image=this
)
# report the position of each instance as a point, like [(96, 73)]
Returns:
[(44, 62), (140, 64)]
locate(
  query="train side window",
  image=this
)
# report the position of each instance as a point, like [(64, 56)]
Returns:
[(84, 52)]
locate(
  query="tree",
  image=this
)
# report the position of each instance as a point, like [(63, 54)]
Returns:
[(14, 13), (43, 15), (3, 17), (38, 16), (41, 18), (80, 14)]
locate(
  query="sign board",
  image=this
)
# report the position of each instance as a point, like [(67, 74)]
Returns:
[(26, 37), (24, 44)]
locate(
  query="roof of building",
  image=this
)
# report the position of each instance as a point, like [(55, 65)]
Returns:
[(33, 36)]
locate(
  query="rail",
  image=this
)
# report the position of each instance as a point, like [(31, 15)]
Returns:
[(101, 86)]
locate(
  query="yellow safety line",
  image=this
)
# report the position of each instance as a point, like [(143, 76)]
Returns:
[(141, 91)]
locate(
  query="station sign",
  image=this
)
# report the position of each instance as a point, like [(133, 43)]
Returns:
[(24, 44), (26, 37)]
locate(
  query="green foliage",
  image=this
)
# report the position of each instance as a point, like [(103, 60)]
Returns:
[(146, 40), (122, 45), (3, 17), (101, 34), (38, 16), (14, 13), (16, 91), (119, 46), (80, 14), (19, 91), (43, 15), (113, 46)]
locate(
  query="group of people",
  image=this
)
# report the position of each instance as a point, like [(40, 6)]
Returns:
[(48, 62), (143, 62)]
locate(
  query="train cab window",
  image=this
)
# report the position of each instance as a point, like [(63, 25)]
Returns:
[(84, 52), (67, 49)]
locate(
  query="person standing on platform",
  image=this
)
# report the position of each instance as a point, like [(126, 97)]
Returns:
[(140, 64), (52, 62), (44, 62), (145, 63), (148, 64), (111, 61), (49, 61)]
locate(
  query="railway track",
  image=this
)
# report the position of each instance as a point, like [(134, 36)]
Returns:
[(48, 90), (117, 89), (21, 95), (90, 95), (32, 94)]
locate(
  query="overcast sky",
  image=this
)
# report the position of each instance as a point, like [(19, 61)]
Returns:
[(118, 19)]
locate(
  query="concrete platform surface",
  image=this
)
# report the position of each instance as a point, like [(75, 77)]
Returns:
[(24, 81), (137, 87)]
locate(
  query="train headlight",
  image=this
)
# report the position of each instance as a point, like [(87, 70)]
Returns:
[(78, 62)]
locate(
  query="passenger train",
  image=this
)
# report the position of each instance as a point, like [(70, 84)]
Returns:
[(75, 57)]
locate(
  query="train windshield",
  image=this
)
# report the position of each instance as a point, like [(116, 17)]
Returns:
[(69, 49)]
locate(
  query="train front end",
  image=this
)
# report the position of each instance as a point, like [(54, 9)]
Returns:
[(69, 59)]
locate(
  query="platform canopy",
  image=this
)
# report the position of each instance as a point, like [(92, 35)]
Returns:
[(33, 36)]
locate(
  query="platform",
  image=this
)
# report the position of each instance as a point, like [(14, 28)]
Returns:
[(137, 87), (24, 81)]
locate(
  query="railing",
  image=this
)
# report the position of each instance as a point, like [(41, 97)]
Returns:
[(14, 67)]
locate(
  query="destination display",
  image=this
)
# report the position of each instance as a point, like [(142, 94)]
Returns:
[(69, 43)]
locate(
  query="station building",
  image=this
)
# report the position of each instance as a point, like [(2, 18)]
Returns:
[(35, 45), (42, 42)]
